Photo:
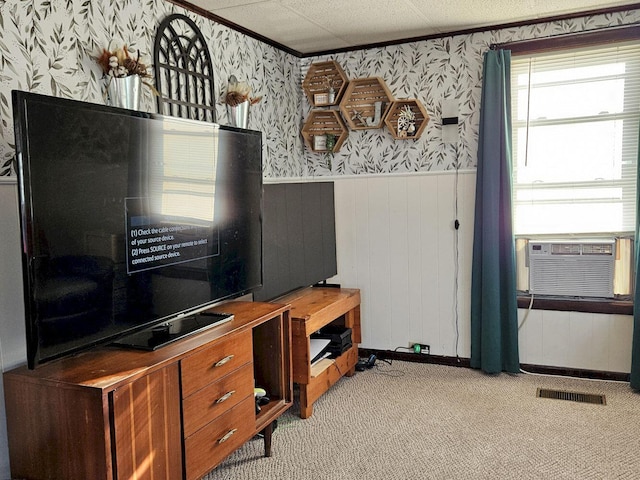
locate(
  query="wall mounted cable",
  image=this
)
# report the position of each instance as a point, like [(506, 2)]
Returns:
[(456, 243), (450, 136)]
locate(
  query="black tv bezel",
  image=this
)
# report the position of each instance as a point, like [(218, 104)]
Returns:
[(20, 101)]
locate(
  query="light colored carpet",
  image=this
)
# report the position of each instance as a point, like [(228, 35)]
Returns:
[(409, 420)]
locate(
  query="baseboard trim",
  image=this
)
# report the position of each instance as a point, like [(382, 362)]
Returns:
[(576, 372), (415, 357), (466, 363)]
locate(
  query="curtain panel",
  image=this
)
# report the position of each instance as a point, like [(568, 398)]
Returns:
[(494, 314), (635, 346)]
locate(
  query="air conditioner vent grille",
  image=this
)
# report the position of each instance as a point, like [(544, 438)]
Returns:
[(572, 269)]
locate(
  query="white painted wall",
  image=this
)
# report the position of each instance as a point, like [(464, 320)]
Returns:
[(396, 243), (591, 341)]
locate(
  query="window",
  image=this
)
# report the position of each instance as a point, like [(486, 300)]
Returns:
[(182, 176), (575, 117)]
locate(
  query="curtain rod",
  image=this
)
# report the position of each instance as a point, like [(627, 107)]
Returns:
[(573, 39)]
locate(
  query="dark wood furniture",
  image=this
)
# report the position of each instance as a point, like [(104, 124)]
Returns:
[(173, 413), (311, 309)]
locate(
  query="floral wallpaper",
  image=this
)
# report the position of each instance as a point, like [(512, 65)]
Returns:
[(48, 47), (431, 71)]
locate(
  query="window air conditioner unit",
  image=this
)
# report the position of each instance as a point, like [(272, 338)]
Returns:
[(583, 269)]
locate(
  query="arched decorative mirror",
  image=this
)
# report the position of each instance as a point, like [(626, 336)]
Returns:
[(183, 70)]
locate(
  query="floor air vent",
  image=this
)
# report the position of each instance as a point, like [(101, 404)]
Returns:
[(572, 396)]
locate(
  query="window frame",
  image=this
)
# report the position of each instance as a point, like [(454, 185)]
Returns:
[(553, 44)]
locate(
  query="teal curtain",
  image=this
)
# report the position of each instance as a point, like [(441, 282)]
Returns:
[(494, 311), (635, 346)]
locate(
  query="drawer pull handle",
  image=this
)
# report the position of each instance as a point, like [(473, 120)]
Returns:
[(227, 436), (226, 396), (223, 361)]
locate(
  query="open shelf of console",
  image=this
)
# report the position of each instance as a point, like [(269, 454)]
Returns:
[(311, 309)]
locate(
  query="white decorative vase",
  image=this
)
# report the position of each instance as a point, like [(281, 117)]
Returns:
[(239, 114), (124, 92)]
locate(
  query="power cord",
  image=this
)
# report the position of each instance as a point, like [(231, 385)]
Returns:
[(526, 314), (380, 370), (379, 367), (373, 360), (456, 268), (403, 348)]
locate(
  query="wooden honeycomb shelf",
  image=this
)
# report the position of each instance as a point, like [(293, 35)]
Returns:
[(359, 102), (420, 122), (318, 79), (323, 122)]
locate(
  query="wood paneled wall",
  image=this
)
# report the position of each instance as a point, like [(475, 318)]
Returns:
[(396, 243)]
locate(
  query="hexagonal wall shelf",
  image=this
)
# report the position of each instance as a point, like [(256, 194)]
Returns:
[(319, 124), (319, 78), (421, 118), (365, 103)]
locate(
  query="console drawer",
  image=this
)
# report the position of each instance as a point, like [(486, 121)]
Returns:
[(215, 362), (209, 402), (211, 444)]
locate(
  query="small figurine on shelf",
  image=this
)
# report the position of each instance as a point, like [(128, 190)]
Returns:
[(377, 115), (358, 116), (406, 122)]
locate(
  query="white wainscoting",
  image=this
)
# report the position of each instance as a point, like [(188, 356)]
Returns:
[(13, 350), (589, 341), (395, 241)]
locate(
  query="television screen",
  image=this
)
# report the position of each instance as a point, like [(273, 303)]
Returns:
[(299, 237), (130, 219)]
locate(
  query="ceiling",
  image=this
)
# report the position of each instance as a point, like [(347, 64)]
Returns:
[(314, 26)]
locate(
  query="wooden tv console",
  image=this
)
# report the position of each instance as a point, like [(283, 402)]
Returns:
[(311, 309), (173, 413)]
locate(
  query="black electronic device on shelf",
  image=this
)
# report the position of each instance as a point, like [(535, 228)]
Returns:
[(339, 339), (130, 220)]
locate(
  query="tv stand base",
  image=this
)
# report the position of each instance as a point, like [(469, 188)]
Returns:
[(311, 309)]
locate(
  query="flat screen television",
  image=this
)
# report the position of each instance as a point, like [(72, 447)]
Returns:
[(299, 237), (132, 224)]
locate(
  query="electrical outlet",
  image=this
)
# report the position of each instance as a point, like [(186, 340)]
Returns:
[(420, 347)]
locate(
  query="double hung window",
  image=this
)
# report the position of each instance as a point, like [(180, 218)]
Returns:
[(575, 118)]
